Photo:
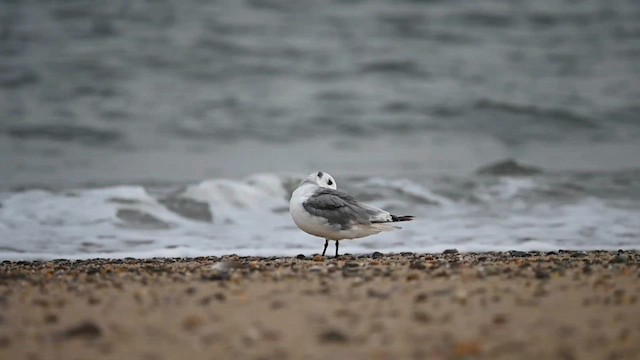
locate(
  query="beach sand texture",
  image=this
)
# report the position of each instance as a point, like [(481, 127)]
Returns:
[(511, 305)]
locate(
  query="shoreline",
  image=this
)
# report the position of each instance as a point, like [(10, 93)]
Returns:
[(495, 305), (242, 255)]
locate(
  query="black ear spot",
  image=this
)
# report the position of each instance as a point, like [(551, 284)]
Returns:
[(330, 182), (320, 174)]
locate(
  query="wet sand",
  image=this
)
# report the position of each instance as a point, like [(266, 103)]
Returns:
[(561, 305)]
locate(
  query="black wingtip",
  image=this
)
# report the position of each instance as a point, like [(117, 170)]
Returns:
[(401, 218)]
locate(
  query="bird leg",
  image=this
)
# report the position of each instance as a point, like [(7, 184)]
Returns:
[(326, 243), (337, 243)]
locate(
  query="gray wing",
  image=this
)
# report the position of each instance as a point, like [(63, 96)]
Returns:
[(340, 209)]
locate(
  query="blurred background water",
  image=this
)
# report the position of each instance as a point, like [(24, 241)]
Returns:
[(171, 128)]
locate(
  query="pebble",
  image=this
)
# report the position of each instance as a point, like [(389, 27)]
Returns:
[(499, 319), (377, 255), (318, 258), (460, 296), (450, 251), (373, 293), (93, 271), (86, 330), (208, 299), (92, 300), (542, 274), (191, 290), (413, 277), (216, 276), (465, 349), (618, 259), (192, 322), (51, 318), (441, 273), (277, 304), (4, 341), (422, 317), (220, 296), (420, 298), (333, 336)]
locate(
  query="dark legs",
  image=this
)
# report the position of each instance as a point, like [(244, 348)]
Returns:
[(326, 243)]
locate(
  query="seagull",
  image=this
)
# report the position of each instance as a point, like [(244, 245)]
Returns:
[(319, 209)]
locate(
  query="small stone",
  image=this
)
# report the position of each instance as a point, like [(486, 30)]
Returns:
[(441, 273), (251, 336), (301, 257), (87, 330), (271, 335), (542, 274), (450, 251), (417, 265), (460, 296), (373, 293), (420, 298), (191, 290), (192, 322), (377, 255), (578, 254), (352, 264), (277, 304), (623, 335), (422, 317), (4, 341), (51, 318), (93, 271), (92, 300), (333, 336), (413, 277), (499, 319), (618, 259), (464, 349), (519, 254), (318, 258), (216, 276)]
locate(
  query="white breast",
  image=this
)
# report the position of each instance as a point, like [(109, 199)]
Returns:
[(308, 223)]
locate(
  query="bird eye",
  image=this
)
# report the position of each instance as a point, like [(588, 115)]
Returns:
[(320, 174), (330, 182)]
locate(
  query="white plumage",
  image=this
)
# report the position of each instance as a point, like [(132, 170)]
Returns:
[(319, 209)]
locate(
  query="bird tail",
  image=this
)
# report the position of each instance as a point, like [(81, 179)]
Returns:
[(401, 218), (385, 226)]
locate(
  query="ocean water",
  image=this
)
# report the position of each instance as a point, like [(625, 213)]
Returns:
[(135, 128)]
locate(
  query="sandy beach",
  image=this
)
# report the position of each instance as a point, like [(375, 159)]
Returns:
[(524, 305)]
